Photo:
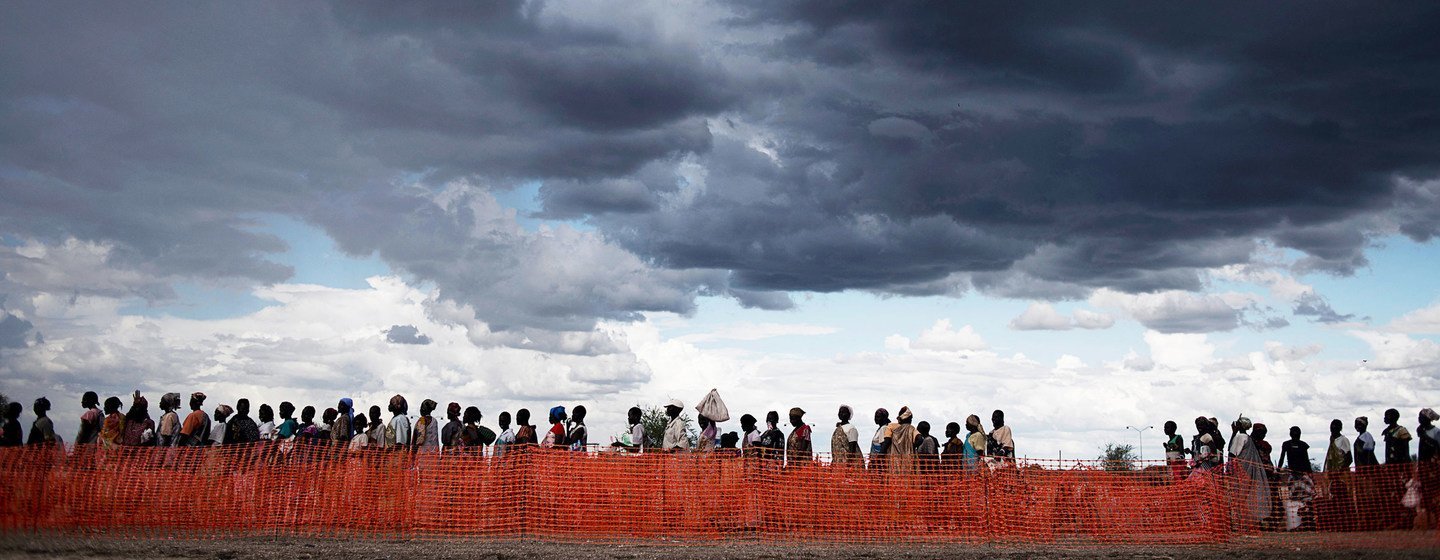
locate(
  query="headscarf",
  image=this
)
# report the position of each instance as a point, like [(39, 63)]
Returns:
[(349, 413), (1363, 421), (972, 421), (555, 412), (429, 405), (1259, 432), (1430, 414), (170, 401), (905, 414), (397, 402), (197, 396), (223, 411), (796, 411), (452, 410), (1242, 423)]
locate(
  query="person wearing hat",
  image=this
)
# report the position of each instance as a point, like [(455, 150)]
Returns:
[(881, 442), (750, 440), (556, 438), (845, 442), (427, 430), (1255, 485), (398, 433), (1429, 442), (42, 430), (901, 447), (798, 448), (169, 430), (1428, 469), (195, 431), (675, 437)]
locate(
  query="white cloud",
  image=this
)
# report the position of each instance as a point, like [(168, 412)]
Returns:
[(1425, 320), (758, 331), (1043, 317), (1397, 351), (1179, 351), (941, 337), (1177, 311)]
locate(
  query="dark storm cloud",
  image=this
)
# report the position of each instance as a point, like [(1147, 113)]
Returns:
[(1126, 148), (405, 334), (14, 331), (909, 149), (164, 130)]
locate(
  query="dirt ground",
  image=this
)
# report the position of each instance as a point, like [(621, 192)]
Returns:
[(294, 549)]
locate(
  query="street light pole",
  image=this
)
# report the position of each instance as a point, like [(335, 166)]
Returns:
[(1141, 433)]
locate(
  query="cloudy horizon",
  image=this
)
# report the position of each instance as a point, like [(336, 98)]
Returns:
[(1090, 217)]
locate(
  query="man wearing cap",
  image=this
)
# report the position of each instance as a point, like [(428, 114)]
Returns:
[(798, 447), (675, 437), (845, 442)]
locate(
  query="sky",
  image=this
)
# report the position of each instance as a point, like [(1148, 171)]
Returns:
[(1091, 217)]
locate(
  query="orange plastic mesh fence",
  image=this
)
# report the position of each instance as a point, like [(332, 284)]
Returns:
[(310, 491)]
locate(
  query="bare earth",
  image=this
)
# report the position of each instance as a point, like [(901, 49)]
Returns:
[(296, 549)]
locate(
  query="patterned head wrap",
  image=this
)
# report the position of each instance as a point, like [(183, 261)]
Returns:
[(973, 421), (452, 410), (1242, 423), (1363, 422), (905, 413), (197, 396), (1430, 414), (223, 411), (796, 411), (397, 403)]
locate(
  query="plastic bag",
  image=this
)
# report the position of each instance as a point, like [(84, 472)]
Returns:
[(713, 408), (1411, 499)]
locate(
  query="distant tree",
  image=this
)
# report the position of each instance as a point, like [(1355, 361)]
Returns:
[(1118, 457), (655, 421)]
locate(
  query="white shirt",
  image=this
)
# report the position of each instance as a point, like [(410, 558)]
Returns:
[(217, 432), (359, 441), (401, 425), (752, 437), (675, 435), (1342, 443), (1237, 444), (1365, 442), (267, 431), (852, 435), (637, 436)]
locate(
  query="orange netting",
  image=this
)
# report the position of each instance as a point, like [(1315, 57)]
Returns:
[(304, 491)]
